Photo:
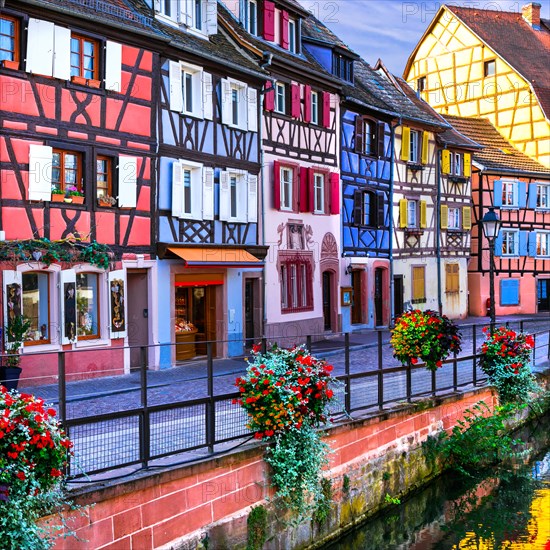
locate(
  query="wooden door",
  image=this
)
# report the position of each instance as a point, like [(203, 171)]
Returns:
[(138, 314), (543, 294), (356, 305), (327, 300), (379, 296), (397, 296)]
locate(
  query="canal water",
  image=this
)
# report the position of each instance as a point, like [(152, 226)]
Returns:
[(509, 511)]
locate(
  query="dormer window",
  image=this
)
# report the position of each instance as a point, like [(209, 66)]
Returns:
[(342, 67), (198, 15), (250, 16), (292, 36)]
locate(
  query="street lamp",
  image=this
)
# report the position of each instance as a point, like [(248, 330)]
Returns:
[(491, 228)]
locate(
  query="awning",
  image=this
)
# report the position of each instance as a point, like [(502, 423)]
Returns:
[(215, 257)]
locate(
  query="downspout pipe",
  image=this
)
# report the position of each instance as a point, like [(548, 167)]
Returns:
[(437, 233), (390, 240)]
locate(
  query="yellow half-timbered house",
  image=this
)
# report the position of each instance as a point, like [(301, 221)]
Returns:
[(489, 64)]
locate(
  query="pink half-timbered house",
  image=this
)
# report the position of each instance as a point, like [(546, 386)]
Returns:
[(300, 175), (76, 160), (518, 187)]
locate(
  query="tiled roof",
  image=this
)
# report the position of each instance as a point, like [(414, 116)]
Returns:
[(497, 153), (526, 49), (301, 62), (314, 29)]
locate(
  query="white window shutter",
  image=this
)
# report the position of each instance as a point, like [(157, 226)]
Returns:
[(117, 304), (127, 182), (157, 6), (13, 296), (210, 8), (225, 196), (176, 91), (252, 109), (113, 66), (62, 53), (177, 190), (252, 198), (226, 102), (242, 95), (196, 194), (186, 12), (40, 172), (208, 194), (40, 47), (67, 294), (207, 93)]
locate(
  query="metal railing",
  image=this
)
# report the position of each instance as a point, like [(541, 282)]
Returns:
[(152, 418)]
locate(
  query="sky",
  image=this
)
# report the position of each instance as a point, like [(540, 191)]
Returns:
[(390, 29)]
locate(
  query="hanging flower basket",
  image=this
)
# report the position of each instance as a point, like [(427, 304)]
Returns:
[(425, 336), (505, 358)]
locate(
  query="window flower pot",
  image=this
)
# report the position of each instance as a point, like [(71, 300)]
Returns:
[(77, 199), (79, 80), (58, 198), (94, 83), (9, 64)]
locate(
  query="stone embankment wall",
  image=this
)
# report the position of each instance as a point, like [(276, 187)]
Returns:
[(205, 505)]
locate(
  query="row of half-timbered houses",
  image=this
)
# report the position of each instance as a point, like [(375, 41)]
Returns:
[(250, 174)]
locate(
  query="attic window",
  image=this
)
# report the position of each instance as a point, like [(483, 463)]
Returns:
[(342, 67), (489, 68), (421, 84)]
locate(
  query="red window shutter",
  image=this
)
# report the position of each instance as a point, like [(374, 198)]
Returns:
[(307, 103), (295, 189), (304, 184), (326, 109), (334, 193), (284, 29), (269, 97), (277, 185), (269, 20), (295, 100)]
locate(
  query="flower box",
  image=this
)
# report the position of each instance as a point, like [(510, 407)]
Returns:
[(56, 197), (92, 83), (9, 64), (79, 80), (77, 199)]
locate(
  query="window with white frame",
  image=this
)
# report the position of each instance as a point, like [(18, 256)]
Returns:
[(280, 98), (186, 89), (543, 243), (87, 306), (412, 207), (509, 193), (319, 190), (292, 36), (369, 137), (36, 307), (250, 16), (189, 192), (414, 148), (314, 107), (287, 178), (236, 104), (454, 218), (510, 242), (187, 12), (543, 195), (238, 196), (457, 164)]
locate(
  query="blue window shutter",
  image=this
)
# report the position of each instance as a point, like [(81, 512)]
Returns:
[(532, 245), (498, 245), (522, 194), (509, 292), (523, 235), (497, 197), (532, 195)]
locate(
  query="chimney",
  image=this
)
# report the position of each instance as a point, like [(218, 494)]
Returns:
[(531, 14)]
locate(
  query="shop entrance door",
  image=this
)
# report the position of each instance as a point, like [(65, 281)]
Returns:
[(327, 300), (378, 296), (356, 305)]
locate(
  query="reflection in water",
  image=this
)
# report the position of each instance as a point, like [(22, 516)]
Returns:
[(510, 511)]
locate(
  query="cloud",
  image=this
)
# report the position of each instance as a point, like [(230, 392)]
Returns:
[(390, 29)]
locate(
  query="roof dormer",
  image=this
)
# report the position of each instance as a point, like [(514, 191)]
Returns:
[(199, 17)]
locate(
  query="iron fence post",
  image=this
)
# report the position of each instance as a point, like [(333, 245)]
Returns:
[(474, 355), (455, 372), (211, 407), (409, 381), (62, 386), (145, 419), (534, 349), (380, 375), (347, 397)]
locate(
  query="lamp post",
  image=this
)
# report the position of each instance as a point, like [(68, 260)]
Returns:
[(491, 228)]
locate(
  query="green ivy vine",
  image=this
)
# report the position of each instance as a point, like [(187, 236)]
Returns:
[(73, 250)]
